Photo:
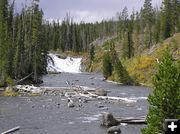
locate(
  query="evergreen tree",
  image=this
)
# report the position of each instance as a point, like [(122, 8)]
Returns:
[(36, 40), (11, 39), (166, 16), (175, 15), (128, 48), (107, 65), (122, 73), (148, 20), (4, 40), (157, 27), (164, 102), (92, 52)]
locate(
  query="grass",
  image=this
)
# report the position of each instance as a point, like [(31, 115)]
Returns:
[(141, 69), (33, 94), (97, 63), (9, 92)]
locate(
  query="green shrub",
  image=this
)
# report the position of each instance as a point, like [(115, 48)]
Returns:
[(164, 102)]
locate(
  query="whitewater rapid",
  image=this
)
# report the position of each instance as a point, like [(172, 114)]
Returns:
[(69, 64)]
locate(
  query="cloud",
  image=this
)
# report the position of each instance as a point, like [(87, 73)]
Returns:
[(87, 10)]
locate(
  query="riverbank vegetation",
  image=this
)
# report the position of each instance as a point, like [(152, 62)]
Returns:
[(164, 102), (22, 48), (141, 38)]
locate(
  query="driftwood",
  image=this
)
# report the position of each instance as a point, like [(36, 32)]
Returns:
[(132, 120), (92, 95), (109, 120), (11, 130), (21, 80)]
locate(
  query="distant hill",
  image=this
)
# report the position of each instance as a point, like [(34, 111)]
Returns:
[(141, 67)]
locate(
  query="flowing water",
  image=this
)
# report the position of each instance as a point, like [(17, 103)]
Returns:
[(50, 114)]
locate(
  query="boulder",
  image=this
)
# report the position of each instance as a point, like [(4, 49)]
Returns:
[(85, 92), (71, 104), (114, 130), (108, 120), (101, 92)]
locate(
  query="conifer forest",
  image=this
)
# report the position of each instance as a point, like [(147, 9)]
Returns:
[(133, 48)]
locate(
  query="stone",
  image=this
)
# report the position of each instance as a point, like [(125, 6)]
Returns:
[(114, 130), (108, 120), (77, 109), (85, 92), (71, 104), (101, 92), (85, 101), (100, 106)]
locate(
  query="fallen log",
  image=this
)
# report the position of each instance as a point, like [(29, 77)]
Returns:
[(132, 118), (133, 121), (11, 130), (21, 80), (109, 120)]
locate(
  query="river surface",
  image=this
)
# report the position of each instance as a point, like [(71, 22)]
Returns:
[(51, 115)]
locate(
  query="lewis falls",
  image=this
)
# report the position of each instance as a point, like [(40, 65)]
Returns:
[(58, 64)]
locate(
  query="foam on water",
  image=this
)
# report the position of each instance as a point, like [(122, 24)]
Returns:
[(70, 64)]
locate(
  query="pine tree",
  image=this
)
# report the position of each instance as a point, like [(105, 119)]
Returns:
[(164, 102), (157, 27), (128, 48), (36, 40), (92, 52), (148, 19), (122, 73), (166, 16), (175, 15), (11, 46), (4, 40), (107, 65)]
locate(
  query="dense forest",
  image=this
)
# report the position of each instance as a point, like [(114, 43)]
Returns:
[(26, 38)]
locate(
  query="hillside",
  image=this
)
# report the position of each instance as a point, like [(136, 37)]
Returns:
[(141, 67)]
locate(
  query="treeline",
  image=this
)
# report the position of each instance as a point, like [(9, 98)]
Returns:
[(70, 36), (23, 50), (150, 26), (140, 31), (25, 38), (135, 32)]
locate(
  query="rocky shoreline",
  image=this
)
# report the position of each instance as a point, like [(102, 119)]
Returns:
[(76, 97), (70, 103)]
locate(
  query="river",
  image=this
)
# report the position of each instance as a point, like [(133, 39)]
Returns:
[(50, 114)]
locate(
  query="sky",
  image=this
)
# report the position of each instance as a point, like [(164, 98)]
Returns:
[(86, 10)]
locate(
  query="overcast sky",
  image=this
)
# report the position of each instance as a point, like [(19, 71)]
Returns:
[(86, 10)]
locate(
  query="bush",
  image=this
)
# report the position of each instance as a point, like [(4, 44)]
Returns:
[(164, 102), (142, 68)]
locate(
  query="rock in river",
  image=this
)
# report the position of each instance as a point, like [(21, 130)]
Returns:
[(101, 92), (108, 120), (114, 130), (71, 104)]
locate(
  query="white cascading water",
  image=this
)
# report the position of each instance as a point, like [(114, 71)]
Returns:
[(70, 65)]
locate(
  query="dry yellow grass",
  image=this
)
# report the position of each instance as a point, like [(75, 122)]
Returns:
[(9, 92)]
